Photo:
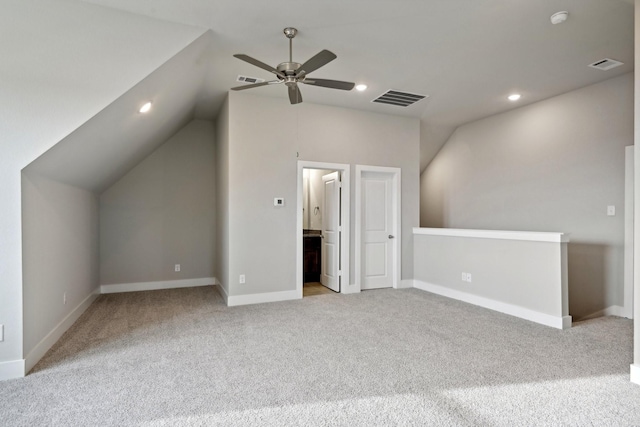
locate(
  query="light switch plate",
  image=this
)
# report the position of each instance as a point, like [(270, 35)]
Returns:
[(611, 210)]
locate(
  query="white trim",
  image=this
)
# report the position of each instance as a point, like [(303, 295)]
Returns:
[(235, 300), (635, 374), (628, 230), (345, 221), (513, 310), (12, 369), (614, 310), (406, 283), (533, 236), (396, 182), (56, 333), (152, 286), (222, 291)]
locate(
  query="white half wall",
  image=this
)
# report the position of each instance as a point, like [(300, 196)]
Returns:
[(552, 165), (521, 274)]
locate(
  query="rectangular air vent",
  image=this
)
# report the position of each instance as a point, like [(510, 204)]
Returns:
[(247, 79), (401, 99), (606, 64)]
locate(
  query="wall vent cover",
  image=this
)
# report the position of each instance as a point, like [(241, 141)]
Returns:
[(606, 64), (247, 79), (399, 98)]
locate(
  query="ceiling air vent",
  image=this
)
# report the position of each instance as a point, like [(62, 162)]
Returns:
[(401, 99), (247, 79), (606, 64)]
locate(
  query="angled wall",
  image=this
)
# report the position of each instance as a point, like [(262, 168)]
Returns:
[(551, 166), (162, 213), (60, 259), (57, 72)]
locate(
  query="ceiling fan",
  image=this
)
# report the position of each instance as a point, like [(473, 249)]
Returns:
[(291, 73)]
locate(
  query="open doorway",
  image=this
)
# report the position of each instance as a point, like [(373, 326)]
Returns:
[(323, 232)]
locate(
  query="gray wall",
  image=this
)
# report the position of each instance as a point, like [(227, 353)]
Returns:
[(39, 70), (551, 166), (522, 273), (162, 213), (60, 253), (222, 197), (265, 136)]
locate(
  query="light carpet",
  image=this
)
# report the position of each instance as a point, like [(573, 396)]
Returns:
[(180, 357)]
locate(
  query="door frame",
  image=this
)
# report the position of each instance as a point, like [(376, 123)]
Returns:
[(345, 221), (396, 180)]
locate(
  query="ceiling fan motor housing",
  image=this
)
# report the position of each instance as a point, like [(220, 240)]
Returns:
[(291, 73)]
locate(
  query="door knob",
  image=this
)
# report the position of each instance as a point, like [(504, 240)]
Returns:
[(391, 236)]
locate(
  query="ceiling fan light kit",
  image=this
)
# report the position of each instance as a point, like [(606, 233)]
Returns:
[(291, 73)]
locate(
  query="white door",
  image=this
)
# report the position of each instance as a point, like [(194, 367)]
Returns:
[(377, 230), (330, 276)]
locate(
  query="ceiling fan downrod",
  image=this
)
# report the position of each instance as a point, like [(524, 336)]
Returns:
[(290, 32)]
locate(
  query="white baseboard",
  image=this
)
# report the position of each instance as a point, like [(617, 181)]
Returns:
[(635, 374), (153, 286), (12, 369), (558, 322), (235, 300), (56, 333), (222, 291), (614, 310), (405, 284)]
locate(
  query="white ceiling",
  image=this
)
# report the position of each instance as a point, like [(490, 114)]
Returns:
[(467, 55)]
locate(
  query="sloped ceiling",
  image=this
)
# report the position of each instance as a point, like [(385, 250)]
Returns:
[(467, 55), (108, 145)]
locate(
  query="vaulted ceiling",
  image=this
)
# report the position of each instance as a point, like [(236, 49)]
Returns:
[(466, 55)]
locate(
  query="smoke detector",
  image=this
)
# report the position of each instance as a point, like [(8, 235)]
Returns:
[(559, 17)]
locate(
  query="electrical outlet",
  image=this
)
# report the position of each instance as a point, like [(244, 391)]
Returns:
[(242, 279), (464, 277), (176, 268), (611, 210), (64, 298), (1, 333), (469, 277)]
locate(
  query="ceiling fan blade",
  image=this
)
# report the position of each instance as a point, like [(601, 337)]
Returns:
[(253, 61), (251, 86), (243, 87), (320, 59), (333, 84), (294, 94)]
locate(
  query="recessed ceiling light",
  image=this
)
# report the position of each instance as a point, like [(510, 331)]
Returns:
[(145, 108), (514, 97), (559, 17), (361, 87)]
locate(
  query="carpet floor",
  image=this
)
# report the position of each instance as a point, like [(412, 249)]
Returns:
[(180, 357)]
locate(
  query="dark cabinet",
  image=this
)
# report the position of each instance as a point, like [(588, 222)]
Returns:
[(312, 257)]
